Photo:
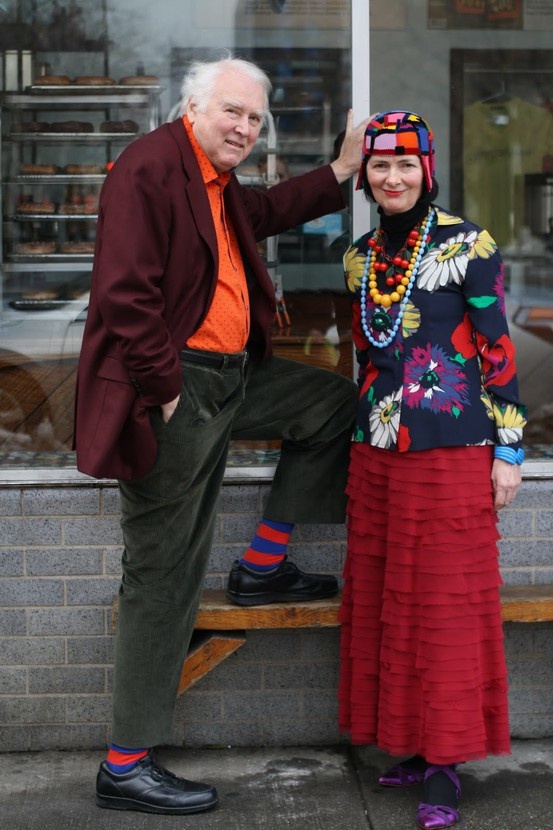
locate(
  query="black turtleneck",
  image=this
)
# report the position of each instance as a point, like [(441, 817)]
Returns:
[(397, 226)]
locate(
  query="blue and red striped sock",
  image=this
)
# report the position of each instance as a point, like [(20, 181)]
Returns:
[(268, 547), (121, 759)]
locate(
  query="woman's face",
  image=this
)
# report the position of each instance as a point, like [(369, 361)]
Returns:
[(395, 181)]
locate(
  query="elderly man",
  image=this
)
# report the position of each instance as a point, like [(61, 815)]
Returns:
[(176, 361)]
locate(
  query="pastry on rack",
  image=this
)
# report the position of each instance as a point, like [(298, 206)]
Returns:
[(45, 206), (84, 169), (93, 80), (71, 127), (38, 169), (45, 246), (139, 80), (77, 247), (52, 80), (34, 127), (126, 126)]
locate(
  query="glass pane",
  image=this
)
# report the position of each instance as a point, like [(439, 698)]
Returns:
[(78, 82), (482, 74)]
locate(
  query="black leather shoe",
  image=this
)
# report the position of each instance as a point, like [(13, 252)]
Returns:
[(150, 788), (286, 583)]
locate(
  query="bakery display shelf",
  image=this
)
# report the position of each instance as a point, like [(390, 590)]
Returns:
[(37, 305), (33, 217), (58, 178), (60, 137), (30, 263), (102, 89)]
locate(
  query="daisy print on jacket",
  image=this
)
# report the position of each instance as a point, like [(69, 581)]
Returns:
[(429, 325)]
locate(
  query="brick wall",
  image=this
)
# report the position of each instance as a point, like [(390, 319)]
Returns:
[(60, 548)]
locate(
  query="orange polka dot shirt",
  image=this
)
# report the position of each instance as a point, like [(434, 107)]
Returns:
[(227, 323)]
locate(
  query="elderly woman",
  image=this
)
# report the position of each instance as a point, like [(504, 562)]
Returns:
[(436, 452)]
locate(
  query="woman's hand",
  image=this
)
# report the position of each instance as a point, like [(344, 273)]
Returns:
[(506, 479)]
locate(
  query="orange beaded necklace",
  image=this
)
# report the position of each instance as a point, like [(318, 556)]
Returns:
[(398, 269)]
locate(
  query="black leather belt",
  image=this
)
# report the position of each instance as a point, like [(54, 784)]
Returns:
[(215, 360)]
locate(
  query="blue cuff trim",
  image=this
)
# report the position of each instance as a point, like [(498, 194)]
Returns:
[(508, 454)]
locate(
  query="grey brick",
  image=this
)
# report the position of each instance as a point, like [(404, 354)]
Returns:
[(264, 645), (32, 710), (66, 621), (238, 529), (544, 524), (67, 737), (15, 738), (519, 640), (543, 576), (91, 591), (63, 561), (299, 676), (524, 552), (543, 701), (198, 705), (13, 623), (98, 531), (10, 502), (240, 499), (110, 501), (222, 557), (261, 706), (31, 592), (515, 523), (534, 494), (544, 641), (521, 701), (530, 673), (232, 675), (65, 680), (321, 705), (322, 532), (32, 651), (517, 576), (13, 681), (320, 644), (112, 561), (90, 650), (88, 709), (531, 726), (27, 531), (11, 562), (59, 501)]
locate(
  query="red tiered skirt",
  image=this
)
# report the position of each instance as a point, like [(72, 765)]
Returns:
[(422, 667)]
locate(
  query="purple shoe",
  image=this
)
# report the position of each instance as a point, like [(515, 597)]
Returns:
[(401, 776), (438, 816)]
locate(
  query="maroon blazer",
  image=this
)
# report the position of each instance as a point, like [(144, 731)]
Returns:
[(154, 275)]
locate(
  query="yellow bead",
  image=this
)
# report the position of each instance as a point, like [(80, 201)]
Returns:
[(372, 284), (405, 280), (373, 291), (401, 289), (386, 300), (394, 297), (408, 274), (377, 298)]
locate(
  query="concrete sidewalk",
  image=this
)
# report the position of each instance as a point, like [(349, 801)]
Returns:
[(308, 788)]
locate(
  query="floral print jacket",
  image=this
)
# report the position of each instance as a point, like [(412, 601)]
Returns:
[(448, 377)]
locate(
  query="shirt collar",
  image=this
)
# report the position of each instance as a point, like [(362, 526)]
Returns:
[(209, 174)]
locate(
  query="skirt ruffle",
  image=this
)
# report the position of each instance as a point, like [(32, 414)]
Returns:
[(423, 667)]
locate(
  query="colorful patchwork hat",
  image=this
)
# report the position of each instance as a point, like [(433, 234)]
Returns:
[(396, 133)]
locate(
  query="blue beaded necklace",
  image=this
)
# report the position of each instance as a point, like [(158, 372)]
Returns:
[(381, 344)]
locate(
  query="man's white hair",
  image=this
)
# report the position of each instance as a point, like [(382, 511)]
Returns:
[(200, 79)]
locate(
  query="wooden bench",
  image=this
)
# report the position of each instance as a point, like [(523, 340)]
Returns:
[(221, 627)]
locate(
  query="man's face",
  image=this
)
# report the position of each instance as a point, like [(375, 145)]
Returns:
[(229, 127)]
